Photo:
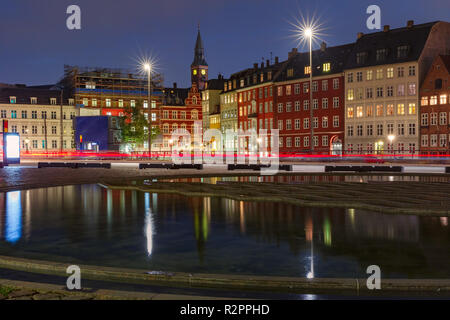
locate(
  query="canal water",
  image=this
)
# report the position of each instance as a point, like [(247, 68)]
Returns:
[(89, 224)]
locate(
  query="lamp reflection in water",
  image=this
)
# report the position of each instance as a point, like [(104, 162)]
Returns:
[(310, 237), (149, 225), (13, 224)]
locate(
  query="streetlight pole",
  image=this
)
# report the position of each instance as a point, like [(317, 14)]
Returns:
[(149, 104), (308, 33)]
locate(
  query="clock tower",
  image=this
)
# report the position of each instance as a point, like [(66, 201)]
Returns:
[(199, 67)]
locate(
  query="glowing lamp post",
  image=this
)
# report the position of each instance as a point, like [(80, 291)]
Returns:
[(309, 35), (148, 68)]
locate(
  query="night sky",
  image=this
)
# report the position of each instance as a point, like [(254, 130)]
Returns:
[(35, 43)]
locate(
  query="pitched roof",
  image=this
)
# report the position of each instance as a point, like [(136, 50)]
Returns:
[(335, 56), (446, 60), (215, 84), (174, 96), (24, 94), (414, 37)]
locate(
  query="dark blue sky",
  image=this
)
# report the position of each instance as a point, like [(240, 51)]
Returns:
[(35, 43)]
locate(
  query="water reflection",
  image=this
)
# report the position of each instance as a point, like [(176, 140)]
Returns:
[(125, 228)]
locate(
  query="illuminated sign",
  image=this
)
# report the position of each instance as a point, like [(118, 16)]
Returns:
[(11, 148)]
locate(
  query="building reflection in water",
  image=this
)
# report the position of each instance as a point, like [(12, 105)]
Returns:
[(13, 223), (309, 233)]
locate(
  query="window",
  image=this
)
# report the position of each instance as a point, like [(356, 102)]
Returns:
[(361, 57), (443, 118), (359, 93), (442, 140), (315, 104), (335, 121), (34, 114), (433, 100), (350, 77), (350, 131), (306, 123), (400, 109), (402, 51), (350, 94), (369, 130), (280, 91), (433, 118), (315, 122), (297, 105), (335, 102), (350, 112), (306, 141), (324, 103), (401, 129), (335, 84), (288, 106), (359, 76), (94, 102), (307, 70), (33, 100), (359, 130), (438, 84), (194, 114), (390, 73), (424, 119), (411, 108), (326, 67), (133, 103), (13, 128), (424, 140), (369, 111), (13, 114), (400, 72), (288, 142), (380, 92), (379, 75), (280, 108), (381, 54), (290, 73), (401, 90), (297, 124), (369, 93), (390, 128), (379, 129), (12, 100), (359, 112), (412, 89), (443, 99), (412, 70), (24, 129), (53, 129), (305, 104), (52, 100), (24, 114), (424, 101), (390, 91), (297, 88), (288, 90), (324, 122), (71, 102), (433, 140), (380, 111), (325, 141), (174, 114), (3, 113), (288, 124), (412, 129), (325, 85), (369, 75), (314, 86), (390, 110)]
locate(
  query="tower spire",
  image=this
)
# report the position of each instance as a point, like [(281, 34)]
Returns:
[(199, 52)]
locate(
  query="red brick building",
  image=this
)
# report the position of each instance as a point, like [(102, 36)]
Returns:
[(292, 101), (435, 108)]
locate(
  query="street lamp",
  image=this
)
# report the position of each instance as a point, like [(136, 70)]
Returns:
[(148, 68)]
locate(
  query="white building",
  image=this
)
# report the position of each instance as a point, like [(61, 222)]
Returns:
[(37, 115), (383, 75)]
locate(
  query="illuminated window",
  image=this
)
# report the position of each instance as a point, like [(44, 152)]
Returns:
[(379, 75), (12, 100), (121, 103), (94, 102), (400, 109), (390, 73), (203, 72), (290, 72), (443, 99), (380, 110), (433, 100), (108, 102), (194, 72), (412, 89), (369, 75), (307, 70), (390, 110), (359, 112), (350, 112), (412, 108), (350, 94), (369, 111), (326, 67), (53, 101)]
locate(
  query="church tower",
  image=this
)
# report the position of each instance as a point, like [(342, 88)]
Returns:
[(199, 67)]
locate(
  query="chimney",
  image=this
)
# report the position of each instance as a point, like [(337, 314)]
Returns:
[(410, 23), (292, 53), (323, 46), (262, 65), (360, 34), (174, 85), (267, 63), (255, 66), (386, 28), (276, 60)]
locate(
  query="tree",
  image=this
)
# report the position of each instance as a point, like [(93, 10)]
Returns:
[(134, 126)]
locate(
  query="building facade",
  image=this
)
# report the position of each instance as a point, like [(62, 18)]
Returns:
[(382, 78), (293, 101), (44, 124), (435, 108), (211, 102)]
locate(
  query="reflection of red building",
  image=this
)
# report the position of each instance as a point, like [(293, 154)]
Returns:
[(292, 101), (435, 108)]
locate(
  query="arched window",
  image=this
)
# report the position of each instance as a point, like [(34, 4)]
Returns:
[(194, 114), (194, 100)]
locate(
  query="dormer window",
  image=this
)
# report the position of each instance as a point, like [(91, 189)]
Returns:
[(33, 100), (402, 51), (52, 100), (269, 75), (381, 54), (254, 79), (307, 70), (326, 67), (71, 102), (290, 72), (225, 87), (361, 57), (90, 85), (12, 100), (242, 83), (262, 77)]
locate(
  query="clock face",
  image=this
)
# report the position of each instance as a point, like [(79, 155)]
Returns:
[(194, 72), (203, 72)]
